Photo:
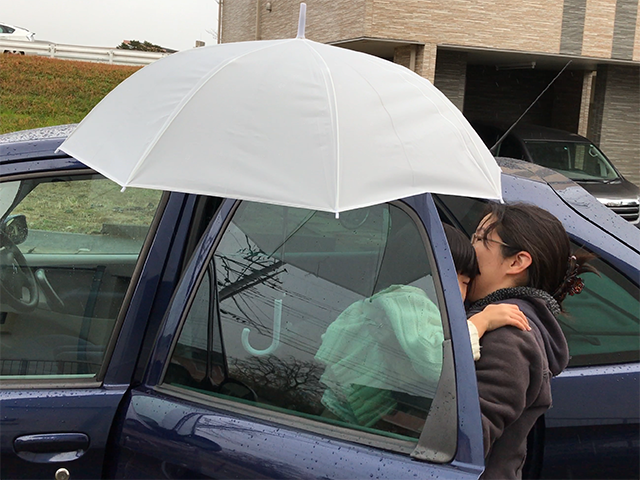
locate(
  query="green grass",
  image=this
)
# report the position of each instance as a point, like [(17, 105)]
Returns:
[(40, 92)]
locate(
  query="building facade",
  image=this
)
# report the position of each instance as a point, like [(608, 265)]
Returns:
[(492, 58)]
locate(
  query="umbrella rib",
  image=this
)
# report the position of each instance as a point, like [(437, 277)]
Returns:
[(331, 93), (457, 130), (201, 83), (408, 78)]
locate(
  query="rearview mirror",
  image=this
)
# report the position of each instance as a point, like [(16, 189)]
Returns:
[(15, 227)]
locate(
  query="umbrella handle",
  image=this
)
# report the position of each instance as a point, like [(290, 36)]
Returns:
[(275, 339)]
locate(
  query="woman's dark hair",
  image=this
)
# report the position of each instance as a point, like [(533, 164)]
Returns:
[(463, 253), (532, 229)]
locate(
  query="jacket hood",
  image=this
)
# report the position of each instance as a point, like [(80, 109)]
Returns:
[(541, 309)]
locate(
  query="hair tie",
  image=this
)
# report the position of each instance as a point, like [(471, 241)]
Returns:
[(572, 284)]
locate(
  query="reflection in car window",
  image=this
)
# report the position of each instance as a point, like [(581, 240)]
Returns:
[(86, 216), (329, 319), (68, 248), (601, 324)]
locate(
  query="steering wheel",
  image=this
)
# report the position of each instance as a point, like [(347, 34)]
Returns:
[(16, 277)]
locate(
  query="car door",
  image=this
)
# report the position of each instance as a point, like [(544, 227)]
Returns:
[(81, 265), (283, 353)]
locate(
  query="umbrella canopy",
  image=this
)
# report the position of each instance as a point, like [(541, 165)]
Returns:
[(288, 122)]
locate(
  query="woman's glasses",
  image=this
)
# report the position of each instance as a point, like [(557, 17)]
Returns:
[(479, 238)]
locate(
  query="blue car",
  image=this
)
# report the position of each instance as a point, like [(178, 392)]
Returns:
[(148, 334)]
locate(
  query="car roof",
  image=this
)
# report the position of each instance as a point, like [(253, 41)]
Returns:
[(33, 143), (527, 131), (571, 193), (537, 132)]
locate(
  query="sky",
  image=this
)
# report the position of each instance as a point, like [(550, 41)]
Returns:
[(175, 24)]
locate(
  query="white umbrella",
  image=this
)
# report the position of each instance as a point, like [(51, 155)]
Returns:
[(288, 122)]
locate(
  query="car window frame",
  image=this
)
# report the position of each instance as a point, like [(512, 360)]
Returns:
[(447, 401), (97, 380)]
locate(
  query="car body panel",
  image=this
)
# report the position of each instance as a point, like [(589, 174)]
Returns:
[(164, 436)]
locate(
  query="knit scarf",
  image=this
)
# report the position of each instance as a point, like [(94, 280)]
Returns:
[(518, 292)]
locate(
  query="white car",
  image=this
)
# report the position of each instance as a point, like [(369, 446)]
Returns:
[(10, 32)]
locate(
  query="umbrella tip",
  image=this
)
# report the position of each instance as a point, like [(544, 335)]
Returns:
[(123, 189), (302, 20)]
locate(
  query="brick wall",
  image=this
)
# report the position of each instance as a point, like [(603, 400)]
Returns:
[(451, 75), (618, 91), (594, 28), (531, 25), (326, 20), (238, 22)]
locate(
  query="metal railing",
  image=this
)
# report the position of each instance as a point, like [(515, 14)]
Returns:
[(113, 56)]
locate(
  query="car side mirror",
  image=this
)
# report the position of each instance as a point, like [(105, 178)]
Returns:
[(15, 227)]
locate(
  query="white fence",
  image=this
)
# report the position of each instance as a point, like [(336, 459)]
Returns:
[(113, 56)]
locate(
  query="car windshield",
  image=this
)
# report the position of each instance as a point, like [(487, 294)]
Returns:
[(580, 161)]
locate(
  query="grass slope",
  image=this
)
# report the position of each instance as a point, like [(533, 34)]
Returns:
[(39, 92)]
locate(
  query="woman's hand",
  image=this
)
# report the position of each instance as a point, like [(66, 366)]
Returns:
[(499, 315)]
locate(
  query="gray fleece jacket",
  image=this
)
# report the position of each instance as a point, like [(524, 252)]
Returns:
[(514, 375)]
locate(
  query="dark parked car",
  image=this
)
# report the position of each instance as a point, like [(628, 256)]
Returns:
[(163, 335), (572, 155)]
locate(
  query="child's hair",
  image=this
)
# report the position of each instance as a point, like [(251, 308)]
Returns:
[(463, 253)]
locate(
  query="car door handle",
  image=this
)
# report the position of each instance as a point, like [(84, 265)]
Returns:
[(51, 447), (50, 294)]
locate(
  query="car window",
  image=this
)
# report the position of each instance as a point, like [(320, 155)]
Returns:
[(601, 324), (331, 319), (68, 248), (578, 161)]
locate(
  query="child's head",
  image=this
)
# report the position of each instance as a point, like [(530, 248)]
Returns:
[(464, 257)]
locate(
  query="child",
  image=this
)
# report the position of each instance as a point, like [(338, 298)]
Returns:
[(493, 316), (390, 344)]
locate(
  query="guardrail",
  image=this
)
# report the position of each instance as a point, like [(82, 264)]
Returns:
[(113, 56)]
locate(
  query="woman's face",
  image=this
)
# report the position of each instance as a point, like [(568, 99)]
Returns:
[(493, 266)]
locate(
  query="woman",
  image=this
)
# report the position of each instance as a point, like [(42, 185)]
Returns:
[(525, 259)]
